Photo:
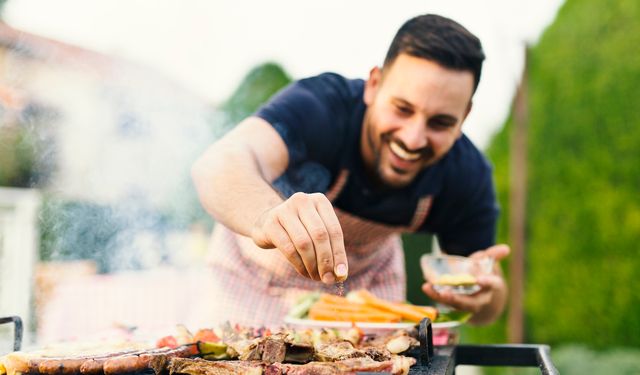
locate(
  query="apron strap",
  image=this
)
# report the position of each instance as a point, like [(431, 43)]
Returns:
[(419, 216), (337, 187), (421, 213)]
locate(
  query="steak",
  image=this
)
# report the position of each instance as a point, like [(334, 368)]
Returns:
[(203, 367), (273, 349), (337, 351), (345, 367)]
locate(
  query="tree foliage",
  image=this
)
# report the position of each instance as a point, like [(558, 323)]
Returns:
[(27, 150), (17, 158), (255, 89), (583, 211)]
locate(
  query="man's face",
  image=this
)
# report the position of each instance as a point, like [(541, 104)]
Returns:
[(415, 110)]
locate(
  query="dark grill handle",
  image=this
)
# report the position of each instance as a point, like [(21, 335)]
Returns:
[(17, 330), (520, 355), (425, 336)]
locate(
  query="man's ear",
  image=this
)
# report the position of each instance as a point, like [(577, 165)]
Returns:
[(372, 85), (468, 110), (466, 113)]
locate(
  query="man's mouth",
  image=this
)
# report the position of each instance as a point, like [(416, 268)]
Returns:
[(402, 153)]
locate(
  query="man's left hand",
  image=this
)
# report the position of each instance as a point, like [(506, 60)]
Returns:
[(486, 304)]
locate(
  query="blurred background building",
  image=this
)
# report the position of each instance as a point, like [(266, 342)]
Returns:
[(106, 143)]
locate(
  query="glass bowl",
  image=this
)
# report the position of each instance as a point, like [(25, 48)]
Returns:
[(456, 274)]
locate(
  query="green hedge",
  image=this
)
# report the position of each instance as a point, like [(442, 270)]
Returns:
[(584, 177)]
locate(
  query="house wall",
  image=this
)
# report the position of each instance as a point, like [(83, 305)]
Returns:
[(18, 255)]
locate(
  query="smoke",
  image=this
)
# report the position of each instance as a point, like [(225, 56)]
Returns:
[(110, 144)]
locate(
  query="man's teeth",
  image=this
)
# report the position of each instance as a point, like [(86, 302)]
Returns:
[(402, 153)]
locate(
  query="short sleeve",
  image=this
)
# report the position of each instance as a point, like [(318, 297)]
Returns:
[(310, 115)]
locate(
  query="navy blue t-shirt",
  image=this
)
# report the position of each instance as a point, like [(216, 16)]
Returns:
[(320, 120)]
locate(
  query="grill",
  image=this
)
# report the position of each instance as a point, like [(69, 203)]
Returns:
[(431, 359), (17, 330), (434, 360)]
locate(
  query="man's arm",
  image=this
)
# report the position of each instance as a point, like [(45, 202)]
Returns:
[(233, 175), (233, 179)]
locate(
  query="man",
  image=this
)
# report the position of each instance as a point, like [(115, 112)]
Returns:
[(332, 170)]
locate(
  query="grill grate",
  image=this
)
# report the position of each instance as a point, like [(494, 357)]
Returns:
[(434, 360)]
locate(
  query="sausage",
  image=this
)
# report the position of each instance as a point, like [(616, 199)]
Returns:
[(156, 360), (124, 364), (68, 365), (33, 364), (131, 362), (61, 366), (94, 366), (109, 363)]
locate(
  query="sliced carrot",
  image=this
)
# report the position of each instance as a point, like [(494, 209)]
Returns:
[(346, 308), (428, 311), (330, 298), (397, 308), (350, 316)]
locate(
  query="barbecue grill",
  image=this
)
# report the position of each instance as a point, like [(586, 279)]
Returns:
[(431, 359)]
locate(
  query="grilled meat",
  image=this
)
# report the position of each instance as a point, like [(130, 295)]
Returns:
[(188, 366), (337, 351)]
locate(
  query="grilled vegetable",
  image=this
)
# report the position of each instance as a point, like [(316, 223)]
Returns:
[(212, 350), (399, 344), (301, 308), (167, 342), (206, 334)]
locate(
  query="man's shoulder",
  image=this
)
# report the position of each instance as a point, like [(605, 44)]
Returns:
[(466, 164), (326, 96), (334, 83)]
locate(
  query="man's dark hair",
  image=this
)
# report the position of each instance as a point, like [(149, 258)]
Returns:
[(441, 40)]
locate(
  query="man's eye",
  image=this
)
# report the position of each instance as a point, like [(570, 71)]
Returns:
[(440, 124), (405, 110)]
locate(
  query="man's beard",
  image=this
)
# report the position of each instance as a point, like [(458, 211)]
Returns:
[(377, 175)]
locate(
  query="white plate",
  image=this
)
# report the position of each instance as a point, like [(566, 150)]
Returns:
[(367, 328)]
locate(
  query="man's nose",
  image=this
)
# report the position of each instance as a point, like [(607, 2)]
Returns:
[(414, 135)]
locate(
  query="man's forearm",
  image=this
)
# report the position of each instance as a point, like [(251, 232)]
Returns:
[(232, 188)]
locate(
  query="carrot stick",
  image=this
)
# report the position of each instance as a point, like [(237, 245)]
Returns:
[(346, 308), (405, 312), (329, 298), (332, 315), (428, 311)]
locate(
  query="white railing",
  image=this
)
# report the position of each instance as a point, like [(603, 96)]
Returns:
[(18, 254)]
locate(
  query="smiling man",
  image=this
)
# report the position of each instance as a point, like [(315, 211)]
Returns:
[(414, 118), (319, 184)]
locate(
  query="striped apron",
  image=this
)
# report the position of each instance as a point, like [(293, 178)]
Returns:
[(254, 286)]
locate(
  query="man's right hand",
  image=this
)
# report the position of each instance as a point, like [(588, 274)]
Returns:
[(306, 230)]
